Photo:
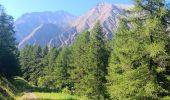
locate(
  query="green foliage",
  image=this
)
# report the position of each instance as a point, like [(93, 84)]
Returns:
[(138, 63), (56, 72), (31, 63), (138, 67), (9, 66), (7, 89), (62, 69), (66, 90), (90, 57), (80, 72), (98, 61), (21, 84), (48, 78)]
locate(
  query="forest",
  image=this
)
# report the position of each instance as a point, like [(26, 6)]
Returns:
[(133, 65)]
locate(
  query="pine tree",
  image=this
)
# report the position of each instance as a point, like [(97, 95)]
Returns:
[(48, 78), (89, 61), (80, 71), (56, 74), (123, 81), (31, 61), (139, 57), (98, 62), (8, 51)]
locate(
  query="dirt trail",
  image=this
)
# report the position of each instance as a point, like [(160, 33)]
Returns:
[(29, 96)]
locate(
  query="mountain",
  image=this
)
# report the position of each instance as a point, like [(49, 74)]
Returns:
[(60, 28), (40, 27), (107, 14)]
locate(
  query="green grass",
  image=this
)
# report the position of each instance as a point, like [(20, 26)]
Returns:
[(54, 96), (41, 93), (7, 90), (21, 84)]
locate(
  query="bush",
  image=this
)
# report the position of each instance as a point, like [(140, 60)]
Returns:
[(66, 90)]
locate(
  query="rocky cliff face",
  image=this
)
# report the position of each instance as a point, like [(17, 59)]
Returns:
[(60, 28)]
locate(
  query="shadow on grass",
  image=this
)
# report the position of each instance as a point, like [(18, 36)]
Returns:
[(39, 89), (62, 99), (23, 86)]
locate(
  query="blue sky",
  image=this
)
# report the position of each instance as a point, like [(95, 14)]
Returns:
[(77, 7)]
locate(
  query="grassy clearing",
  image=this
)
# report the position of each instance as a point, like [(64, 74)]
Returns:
[(57, 96), (49, 96), (28, 92), (54, 96)]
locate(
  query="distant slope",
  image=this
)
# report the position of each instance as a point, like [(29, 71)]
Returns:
[(28, 23), (30, 35)]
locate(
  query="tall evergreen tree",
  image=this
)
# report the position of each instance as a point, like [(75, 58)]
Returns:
[(48, 78), (139, 58), (8, 51), (98, 62), (90, 60), (57, 72), (31, 61), (62, 68), (80, 72)]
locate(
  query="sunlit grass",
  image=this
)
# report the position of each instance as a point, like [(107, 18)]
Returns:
[(49, 96)]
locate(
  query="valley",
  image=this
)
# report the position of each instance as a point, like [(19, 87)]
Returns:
[(109, 52)]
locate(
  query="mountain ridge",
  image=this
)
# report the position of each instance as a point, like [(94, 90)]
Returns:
[(108, 14)]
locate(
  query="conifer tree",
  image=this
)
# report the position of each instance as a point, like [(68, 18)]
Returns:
[(31, 63), (139, 58), (62, 68), (89, 62), (80, 72), (9, 65), (98, 62), (48, 78)]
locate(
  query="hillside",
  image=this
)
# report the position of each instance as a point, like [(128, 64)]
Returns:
[(7, 90)]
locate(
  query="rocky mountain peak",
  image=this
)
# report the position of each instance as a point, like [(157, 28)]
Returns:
[(60, 28), (106, 13)]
